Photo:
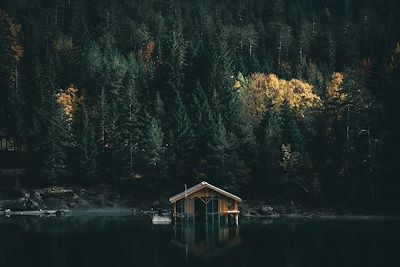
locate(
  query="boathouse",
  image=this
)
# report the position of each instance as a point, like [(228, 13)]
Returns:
[(203, 201)]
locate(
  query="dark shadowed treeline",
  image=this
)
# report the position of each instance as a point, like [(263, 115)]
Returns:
[(291, 98)]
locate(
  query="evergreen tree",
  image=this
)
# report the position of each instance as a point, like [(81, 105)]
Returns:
[(159, 112), (270, 152), (181, 140), (86, 155), (229, 169), (11, 53), (222, 82), (290, 131), (203, 122), (172, 71), (227, 104), (130, 122), (108, 72), (49, 133), (205, 131), (155, 152)]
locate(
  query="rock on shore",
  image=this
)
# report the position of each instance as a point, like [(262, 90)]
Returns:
[(56, 198)]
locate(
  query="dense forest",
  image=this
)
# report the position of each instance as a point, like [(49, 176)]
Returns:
[(292, 98)]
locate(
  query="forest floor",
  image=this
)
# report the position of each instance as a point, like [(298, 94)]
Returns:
[(109, 199)]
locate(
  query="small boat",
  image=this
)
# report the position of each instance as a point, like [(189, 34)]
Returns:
[(160, 219)]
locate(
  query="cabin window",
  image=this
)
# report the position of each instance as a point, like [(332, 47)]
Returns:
[(212, 206)]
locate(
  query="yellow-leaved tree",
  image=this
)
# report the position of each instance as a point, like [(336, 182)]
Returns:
[(69, 100), (10, 31), (147, 52), (334, 89), (261, 92)]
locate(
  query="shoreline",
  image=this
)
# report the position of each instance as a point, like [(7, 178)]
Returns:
[(60, 201), (330, 216), (148, 214)]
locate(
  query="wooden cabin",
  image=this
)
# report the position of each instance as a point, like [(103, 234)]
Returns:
[(203, 201)]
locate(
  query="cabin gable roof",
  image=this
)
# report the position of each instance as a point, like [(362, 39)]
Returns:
[(199, 187)]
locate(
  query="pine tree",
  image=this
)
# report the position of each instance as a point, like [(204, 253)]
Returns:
[(203, 122), (181, 139), (172, 70), (108, 71), (155, 152), (222, 82), (272, 138), (49, 133), (55, 155), (11, 53), (290, 131), (159, 111), (227, 166), (270, 152), (347, 39), (130, 122), (86, 155), (227, 104), (222, 153), (205, 131)]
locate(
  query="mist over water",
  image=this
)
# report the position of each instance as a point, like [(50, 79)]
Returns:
[(131, 241)]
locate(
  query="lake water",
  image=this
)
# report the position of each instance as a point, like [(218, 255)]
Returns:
[(128, 241)]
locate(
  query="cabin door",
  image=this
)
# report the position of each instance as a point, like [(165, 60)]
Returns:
[(199, 209)]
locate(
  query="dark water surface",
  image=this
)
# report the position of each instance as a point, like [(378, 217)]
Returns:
[(128, 241)]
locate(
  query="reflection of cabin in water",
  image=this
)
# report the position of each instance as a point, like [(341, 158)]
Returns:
[(205, 241), (204, 200)]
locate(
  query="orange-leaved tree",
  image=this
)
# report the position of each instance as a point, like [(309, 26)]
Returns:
[(261, 92), (69, 100)]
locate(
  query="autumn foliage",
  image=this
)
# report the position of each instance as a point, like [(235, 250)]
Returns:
[(147, 51), (14, 30), (11, 51), (334, 89), (69, 100), (261, 92)]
